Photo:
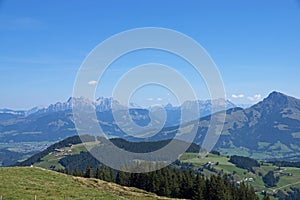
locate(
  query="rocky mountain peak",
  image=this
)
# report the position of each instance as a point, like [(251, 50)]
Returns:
[(279, 101)]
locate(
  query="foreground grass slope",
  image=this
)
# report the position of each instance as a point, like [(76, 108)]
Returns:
[(26, 182)]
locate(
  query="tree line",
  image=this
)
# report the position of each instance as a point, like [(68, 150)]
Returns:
[(281, 163)]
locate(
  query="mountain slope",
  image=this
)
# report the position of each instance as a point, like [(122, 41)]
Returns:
[(26, 182), (8, 114), (270, 129)]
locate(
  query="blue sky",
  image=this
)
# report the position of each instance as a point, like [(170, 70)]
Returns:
[(255, 44)]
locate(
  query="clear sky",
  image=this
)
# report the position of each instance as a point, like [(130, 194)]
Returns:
[(254, 43)]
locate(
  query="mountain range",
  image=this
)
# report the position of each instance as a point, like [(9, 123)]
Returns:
[(267, 130), (103, 104), (55, 121)]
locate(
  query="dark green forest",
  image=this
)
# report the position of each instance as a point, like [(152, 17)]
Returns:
[(173, 182), (244, 162), (270, 180)]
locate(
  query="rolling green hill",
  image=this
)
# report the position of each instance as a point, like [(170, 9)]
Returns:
[(25, 182), (60, 155)]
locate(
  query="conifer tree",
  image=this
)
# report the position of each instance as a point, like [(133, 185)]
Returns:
[(106, 174), (88, 172), (198, 188), (122, 178)]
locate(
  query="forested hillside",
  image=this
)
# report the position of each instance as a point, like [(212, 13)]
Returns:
[(175, 183)]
